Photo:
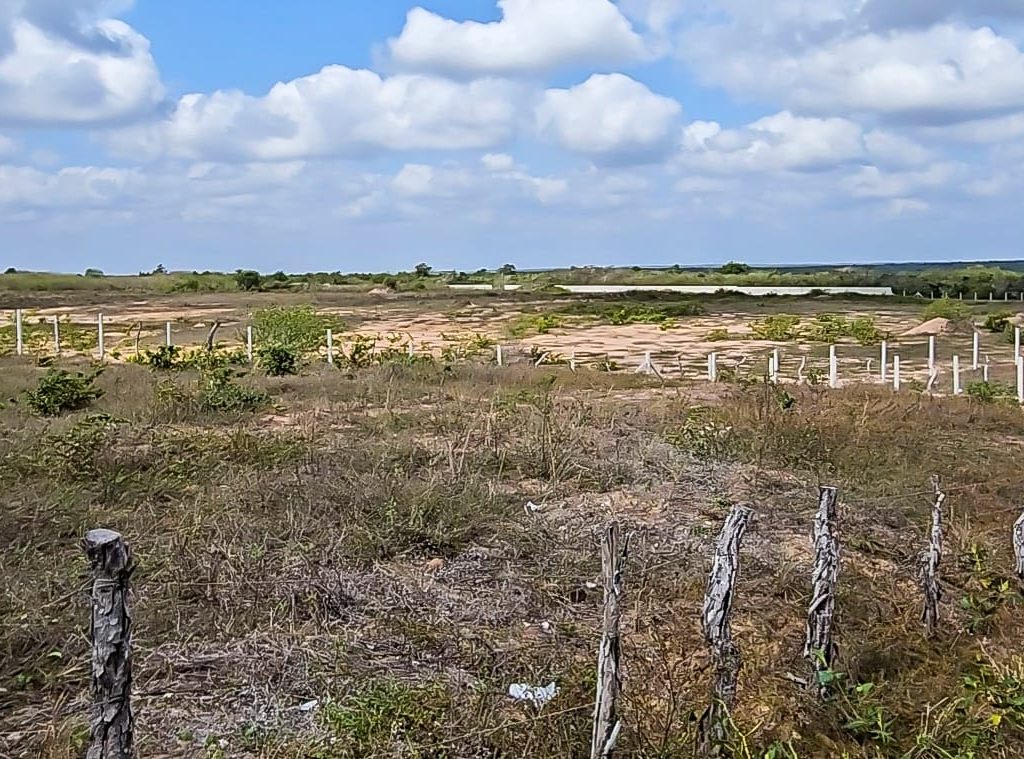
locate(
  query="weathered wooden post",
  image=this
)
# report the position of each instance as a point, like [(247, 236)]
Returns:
[(714, 724), (885, 362), (833, 367), (1018, 546), (330, 347), (56, 335), (820, 648), (167, 335), (607, 725), (976, 351), (100, 347), (930, 561), (248, 343), (956, 375), (19, 336), (211, 336), (896, 373), (110, 721)]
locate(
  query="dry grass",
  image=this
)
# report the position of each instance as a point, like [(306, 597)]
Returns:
[(364, 545)]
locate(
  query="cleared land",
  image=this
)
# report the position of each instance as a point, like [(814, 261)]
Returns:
[(348, 570)]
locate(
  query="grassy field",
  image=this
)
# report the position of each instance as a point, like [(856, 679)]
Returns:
[(339, 563)]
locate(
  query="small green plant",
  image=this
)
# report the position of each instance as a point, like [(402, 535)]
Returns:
[(867, 718), (465, 347), (702, 435), (717, 335), (946, 308), (991, 392), (776, 328), (999, 321), (277, 360), (165, 358), (529, 324), (220, 392), (61, 391)]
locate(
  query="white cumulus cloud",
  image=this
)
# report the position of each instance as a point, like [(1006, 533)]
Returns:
[(337, 111), (532, 36), (62, 63), (611, 117)]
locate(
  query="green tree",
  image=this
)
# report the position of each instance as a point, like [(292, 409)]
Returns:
[(507, 269), (734, 268), (248, 280), (422, 270)]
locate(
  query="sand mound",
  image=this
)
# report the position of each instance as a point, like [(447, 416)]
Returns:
[(937, 326), (381, 291)]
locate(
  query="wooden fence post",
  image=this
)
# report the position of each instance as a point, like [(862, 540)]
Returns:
[(111, 722), (714, 724), (930, 561), (820, 648), (607, 725)]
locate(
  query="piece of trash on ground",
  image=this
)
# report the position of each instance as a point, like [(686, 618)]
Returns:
[(536, 694)]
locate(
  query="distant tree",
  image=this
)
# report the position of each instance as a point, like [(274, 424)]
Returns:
[(11, 270), (422, 270), (507, 269), (279, 276), (734, 268), (94, 272), (160, 269), (248, 280)]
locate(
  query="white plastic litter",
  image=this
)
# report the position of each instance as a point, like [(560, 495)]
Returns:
[(532, 508), (535, 694), (308, 706)]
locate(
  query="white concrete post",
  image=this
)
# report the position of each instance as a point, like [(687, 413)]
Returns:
[(991, 297), (1016, 344), (713, 367), (956, 375), (572, 361), (330, 347), (896, 373), (56, 335), (248, 343), (984, 372), (776, 360), (931, 353), (833, 367), (1020, 382), (498, 356), (883, 373), (975, 297), (976, 352), (19, 341), (100, 347), (411, 349), (167, 335)]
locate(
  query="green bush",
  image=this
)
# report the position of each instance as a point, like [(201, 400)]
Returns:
[(717, 335), (299, 329), (946, 308), (999, 321), (277, 360), (526, 325), (831, 328), (991, 392), (164, 358), (777, 328), (60, 391), (219, 392)]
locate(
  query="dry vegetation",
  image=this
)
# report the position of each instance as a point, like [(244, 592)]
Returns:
[(362, 544)]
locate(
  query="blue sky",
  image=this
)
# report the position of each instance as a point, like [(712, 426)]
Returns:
[(468, 133)]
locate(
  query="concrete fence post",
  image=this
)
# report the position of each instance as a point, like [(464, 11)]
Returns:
[(833, 367), (896, 373), (100, 347), (248, 343), (111, 723), (884, 370), (976, 351), (56, 335), (1016, 344), (956, 375), (19, 335), (931, 353), (330, 347), (498, 357), (713, 367), (1020, 382), (168, 339)]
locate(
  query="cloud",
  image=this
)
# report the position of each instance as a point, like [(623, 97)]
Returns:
[(532, 36), (872, 182), (609, 117), (63, 64), (946, 73), (498, 162), (336, 112)]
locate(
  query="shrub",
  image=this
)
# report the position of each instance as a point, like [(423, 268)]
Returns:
[(248, 280), (830, 328), (991, 392), (717, 335), (60, 391), (164, 358), (945, 308), (220, 392), (734, 267), (777, 328), (525, 325), (299, 329), (999, 321), (277, 360)]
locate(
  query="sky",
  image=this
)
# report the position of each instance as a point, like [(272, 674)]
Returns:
[(324, 135)]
